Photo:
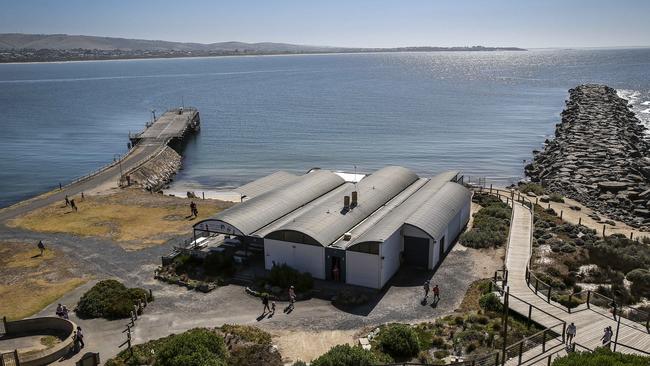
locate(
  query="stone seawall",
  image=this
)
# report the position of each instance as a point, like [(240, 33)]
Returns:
[(599, 156), (158, 171)]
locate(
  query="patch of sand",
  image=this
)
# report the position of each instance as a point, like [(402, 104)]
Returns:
[(29, 282), (132, 218), (306, 346)]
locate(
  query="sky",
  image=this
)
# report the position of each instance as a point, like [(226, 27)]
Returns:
[(350, 23)]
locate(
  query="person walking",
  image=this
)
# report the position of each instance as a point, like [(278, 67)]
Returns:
[(426, 288), (80, 336), (292, 297), (59, 311), (64, 311), (570, 333), (607, 338), (265, 302), (73, 205), (75, 340), (436, 293), (41, 247), (67, 201), (272, 307)]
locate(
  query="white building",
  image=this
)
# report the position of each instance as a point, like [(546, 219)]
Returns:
[(359, 231)]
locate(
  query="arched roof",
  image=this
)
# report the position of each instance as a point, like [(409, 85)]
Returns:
[(253, 214), (434, 215), (326, 222), (380, 230)]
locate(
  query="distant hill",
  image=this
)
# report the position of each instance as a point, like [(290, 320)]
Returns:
[(69, 42), (18, 47)]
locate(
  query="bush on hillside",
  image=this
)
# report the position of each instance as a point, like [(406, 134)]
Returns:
[(196, 347), (346, 355), (555, 197), (640, 279), (619, 253), (490, 302), (216, 264), (537, 189), (400, 341), (284, 276), (110, 299), (601, 357)]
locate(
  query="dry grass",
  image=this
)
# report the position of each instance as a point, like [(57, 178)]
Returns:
[(473, 294), (132, 218), (29, 282)]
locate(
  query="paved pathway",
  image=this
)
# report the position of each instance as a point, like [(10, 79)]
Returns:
[(589, 322)]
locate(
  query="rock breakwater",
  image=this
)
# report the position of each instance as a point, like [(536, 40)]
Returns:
[(156, 172), (599, 156)]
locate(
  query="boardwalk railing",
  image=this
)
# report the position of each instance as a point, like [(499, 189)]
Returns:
[(543, 289)]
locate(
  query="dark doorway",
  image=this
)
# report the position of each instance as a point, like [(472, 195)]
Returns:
[(442, 248), (335, 264), (416, 251)]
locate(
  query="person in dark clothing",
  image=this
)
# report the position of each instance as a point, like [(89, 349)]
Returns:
[(265, 302), (67, 201), (41, 247), (436, 293), (73, 205), (80, 337)]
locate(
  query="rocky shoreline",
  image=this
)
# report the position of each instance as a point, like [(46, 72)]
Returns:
[(599, 156), (157, 172)]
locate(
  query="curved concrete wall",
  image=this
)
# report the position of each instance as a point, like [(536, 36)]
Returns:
[(45, 325)]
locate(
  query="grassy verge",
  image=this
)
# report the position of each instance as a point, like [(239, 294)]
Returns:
[(30, 282), (131, 217)]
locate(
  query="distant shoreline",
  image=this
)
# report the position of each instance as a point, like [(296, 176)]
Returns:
[(4, 60)]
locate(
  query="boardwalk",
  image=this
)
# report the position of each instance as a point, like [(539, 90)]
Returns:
[(589, 322), (155, 137)]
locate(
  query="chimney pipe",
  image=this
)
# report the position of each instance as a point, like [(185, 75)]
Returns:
[(354, 199), (346, 202)]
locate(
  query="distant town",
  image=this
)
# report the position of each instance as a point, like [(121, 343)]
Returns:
[(16, 47)]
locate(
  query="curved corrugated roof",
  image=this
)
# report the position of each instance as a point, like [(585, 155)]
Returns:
[(326, 222), (256, 213), (266, 184), (380, 230), (434, 215)]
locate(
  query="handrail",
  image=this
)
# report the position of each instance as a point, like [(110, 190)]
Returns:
[(630, 347)]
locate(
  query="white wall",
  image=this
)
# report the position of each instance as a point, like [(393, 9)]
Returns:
[(303, 257), (362, 269), (390, 249)]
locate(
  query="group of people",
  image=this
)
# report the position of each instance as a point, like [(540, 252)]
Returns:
[(270, 305), (62, 311), (70, 202), (571, 331), (78, 339), (435, 289), (194, 212)]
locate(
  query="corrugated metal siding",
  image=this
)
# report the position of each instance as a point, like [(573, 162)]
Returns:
[(435, 214)]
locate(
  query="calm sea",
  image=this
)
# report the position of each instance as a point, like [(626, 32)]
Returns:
[(482, 113)]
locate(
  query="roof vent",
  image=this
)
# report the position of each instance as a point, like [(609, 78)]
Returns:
[(347, 236), (346, 202), (354, 199)]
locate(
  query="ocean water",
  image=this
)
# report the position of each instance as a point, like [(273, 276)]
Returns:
[(480, 112)]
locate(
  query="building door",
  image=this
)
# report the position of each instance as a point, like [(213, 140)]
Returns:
[(416, 251), (335, 264), (442, 247)]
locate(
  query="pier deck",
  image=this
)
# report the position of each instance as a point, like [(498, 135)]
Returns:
[(172, 126)]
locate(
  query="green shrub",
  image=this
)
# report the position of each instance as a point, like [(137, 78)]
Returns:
[(284, 276), (110, 299), (346, 355), (248, 333), (619, 253), (299, 363), (601, 357), (567, 300), (440, 354), (196, 347), (555, 197), (399, 341), (640, 279), (537, 189), (490, 302), (491, 223)]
